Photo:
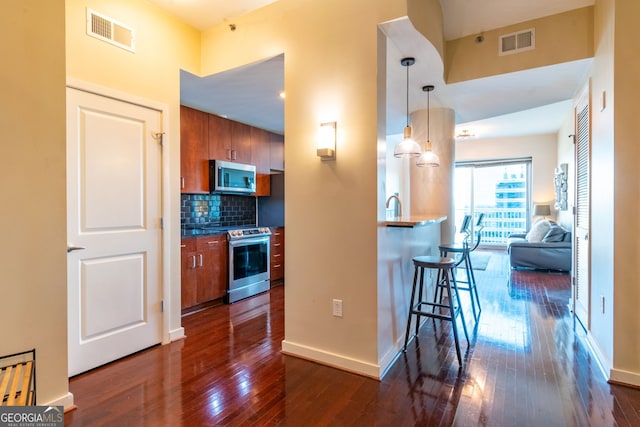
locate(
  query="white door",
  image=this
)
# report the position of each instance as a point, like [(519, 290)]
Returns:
[(582, 218), (114, 260)]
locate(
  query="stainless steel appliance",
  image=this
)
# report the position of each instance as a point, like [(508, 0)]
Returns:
[(229, 177), (248, 262)]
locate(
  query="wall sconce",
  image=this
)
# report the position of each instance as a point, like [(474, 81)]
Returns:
[(326, 148)]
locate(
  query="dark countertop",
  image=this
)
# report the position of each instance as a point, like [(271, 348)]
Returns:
[(204, 231), (212, 231)]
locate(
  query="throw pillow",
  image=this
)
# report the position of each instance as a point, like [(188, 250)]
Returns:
[(538, 231), (555, 234)]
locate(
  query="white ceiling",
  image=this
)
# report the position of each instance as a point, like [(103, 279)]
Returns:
[(528, 102)]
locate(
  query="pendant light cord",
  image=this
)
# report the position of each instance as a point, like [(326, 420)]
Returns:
[(428, 123), (407, 96)]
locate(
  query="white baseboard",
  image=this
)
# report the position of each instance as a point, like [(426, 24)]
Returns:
[(176, 334), (601, 359), (66, 401), (331, 359), (625, 377), (391, 356)]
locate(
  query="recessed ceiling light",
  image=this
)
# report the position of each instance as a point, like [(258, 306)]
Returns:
[(465, 134)]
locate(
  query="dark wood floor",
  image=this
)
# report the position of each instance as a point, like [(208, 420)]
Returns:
[(526, 367)]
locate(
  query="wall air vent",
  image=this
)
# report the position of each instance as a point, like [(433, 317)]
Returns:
[(517, 42), (111, 31)]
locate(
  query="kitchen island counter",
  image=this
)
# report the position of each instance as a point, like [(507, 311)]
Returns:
[(413, 221)]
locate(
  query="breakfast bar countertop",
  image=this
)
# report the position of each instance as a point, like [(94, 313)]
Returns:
[(413, 221)]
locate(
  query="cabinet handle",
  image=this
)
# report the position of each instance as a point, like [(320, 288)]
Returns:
[(275, 255), (183, 246), (215, 242), (275, 233), (276, 244), (200, 260), (182, 182), (229, 154), (193, 261), (277, 266)]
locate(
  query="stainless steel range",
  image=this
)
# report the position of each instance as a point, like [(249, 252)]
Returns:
[(248, 262)]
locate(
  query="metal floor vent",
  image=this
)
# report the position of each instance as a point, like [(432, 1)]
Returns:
[(111, 31), (517, 42)]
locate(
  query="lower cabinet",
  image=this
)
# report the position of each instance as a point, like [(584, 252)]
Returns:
[(204, 269), (277, 254)]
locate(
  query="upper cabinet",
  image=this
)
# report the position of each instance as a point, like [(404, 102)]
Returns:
[(219, 139), (240, 143), (260, 157), (194, 153), (205, 136), (277, 152), (229, 140)]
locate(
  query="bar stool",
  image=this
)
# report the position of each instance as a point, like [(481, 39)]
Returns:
[(464, 249), (445, 268)]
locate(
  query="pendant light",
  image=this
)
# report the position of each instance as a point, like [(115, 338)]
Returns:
[(428, 157), (408, 147)]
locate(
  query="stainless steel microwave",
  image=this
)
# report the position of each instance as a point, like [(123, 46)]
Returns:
[(229, 177)]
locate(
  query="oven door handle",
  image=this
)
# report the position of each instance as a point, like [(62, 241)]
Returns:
[(244, 242)]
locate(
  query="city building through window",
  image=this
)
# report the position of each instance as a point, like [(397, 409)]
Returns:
[(498, 189)]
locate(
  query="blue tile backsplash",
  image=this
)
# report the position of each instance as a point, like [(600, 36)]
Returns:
[(217, 210)]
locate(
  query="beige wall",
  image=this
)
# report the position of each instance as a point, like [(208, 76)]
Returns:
[(32, 186), (602, 239), (541, 148), (164, 45), (627, 191), (426, 17), (332, 207), (560, 38)]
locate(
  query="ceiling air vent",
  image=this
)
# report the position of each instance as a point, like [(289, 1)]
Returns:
[(110, 30), (517, 42)]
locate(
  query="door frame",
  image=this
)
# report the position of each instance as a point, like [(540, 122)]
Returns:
[(582, 100), (171, 306)]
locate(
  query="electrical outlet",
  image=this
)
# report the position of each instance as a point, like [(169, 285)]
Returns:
[(337, 307)]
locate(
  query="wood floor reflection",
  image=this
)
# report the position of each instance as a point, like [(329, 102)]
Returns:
[(525, 367)]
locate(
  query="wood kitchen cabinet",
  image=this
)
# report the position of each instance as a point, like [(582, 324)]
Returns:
[(194, 151), (204, 269), (219, 141), (277, 254), (229, 140), (240, 142), (189, 282), (260, 157), (276, 151), (205, 137)]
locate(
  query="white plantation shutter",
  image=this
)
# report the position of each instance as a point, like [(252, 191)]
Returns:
[(582, 291)]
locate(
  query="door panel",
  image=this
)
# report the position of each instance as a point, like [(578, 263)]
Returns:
[(112, 176), (112, 290), (114, 213)]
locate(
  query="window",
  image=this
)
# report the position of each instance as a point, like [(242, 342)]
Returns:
[(500, 190)]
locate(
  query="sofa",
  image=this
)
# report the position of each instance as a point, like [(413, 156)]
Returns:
[(547, 246)]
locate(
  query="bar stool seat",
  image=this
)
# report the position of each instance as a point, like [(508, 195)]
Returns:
[(452, 309), (464, 249)]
